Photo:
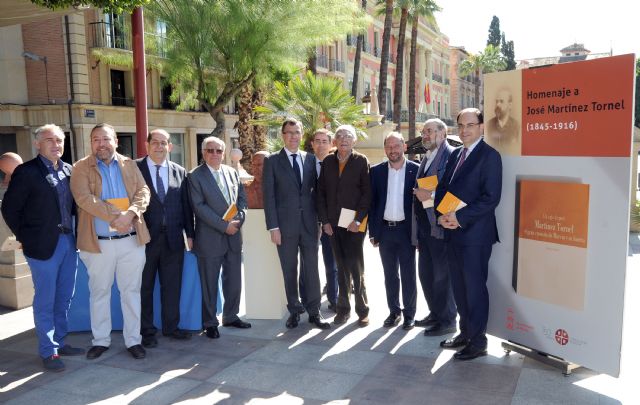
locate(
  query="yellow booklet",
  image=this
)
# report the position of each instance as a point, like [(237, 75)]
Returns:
[(230, 213), (450, 203), (429, 183), (120, 203), (347, 216)]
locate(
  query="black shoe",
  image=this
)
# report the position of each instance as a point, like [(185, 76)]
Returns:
[(137, 352), (339, 319), (470, 352), (178, 334), (238, 323), (96, 351), (438, 330), (454, 342), (149, 341), (408, 323), (319, 322), (212, 332), (332, 307), (324, 290), (427, 321), (301, 310), (67, 350), (392, 320), (293, 320), (53, 363)]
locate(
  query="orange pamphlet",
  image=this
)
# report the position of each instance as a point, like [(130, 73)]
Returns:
[(347, 216), (120, 203), (430, 183), (450, 203), (230, 213)]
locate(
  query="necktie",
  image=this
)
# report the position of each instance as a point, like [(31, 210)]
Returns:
[(223, 189), (460, 161), (296, 169), (160, 185), (319, 167)]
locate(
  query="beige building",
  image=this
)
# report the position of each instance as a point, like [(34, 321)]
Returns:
[(463, 89)]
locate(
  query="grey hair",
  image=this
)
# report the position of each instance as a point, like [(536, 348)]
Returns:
[(49, 128)]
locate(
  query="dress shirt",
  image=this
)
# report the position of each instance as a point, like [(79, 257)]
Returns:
[(59, 179), (223, 182), (430, 158), (112, 187), (301, 155), (394, 208), (164, 174)]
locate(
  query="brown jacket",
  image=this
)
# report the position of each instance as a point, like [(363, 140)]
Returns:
[(86, 187)]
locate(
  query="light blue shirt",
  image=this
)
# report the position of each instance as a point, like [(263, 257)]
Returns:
[(112, 187), (164, 174)]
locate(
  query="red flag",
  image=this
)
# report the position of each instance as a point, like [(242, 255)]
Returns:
[(427, 94)]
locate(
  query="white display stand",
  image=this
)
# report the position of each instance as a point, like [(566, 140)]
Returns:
[(263, 283)]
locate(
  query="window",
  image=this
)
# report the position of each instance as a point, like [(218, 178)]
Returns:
[(126, 144), (177, 153)]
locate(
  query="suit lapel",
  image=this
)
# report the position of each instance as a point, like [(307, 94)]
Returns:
[(228, 183), (286, 166), (45, 172), (146, 174)]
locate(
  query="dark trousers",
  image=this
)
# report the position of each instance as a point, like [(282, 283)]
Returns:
[(307, 246), (330, 269), (469, 268), (167, 264), (397, 253), (347, 250), (209, 269), (433, 270)]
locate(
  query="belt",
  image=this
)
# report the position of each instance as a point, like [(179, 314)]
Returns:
[(63, 229), (393, 223), (114, 237)]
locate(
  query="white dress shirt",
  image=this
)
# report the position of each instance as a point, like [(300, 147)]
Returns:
[(394, 208), (164, 174)]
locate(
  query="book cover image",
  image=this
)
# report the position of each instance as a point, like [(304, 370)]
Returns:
[(550, 260)]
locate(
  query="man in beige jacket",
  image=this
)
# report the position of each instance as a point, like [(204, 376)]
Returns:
[(111, 196)]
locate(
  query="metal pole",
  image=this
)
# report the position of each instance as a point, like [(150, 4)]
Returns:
[(139, 80)]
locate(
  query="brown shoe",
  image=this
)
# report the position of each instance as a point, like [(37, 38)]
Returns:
[(363, 321), (341, 318)]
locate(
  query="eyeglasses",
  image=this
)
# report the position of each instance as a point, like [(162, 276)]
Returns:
[(468, 126), (429, 131), (214, 151)]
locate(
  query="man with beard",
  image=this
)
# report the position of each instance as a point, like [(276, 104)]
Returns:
[(390, 228), (503, 130)]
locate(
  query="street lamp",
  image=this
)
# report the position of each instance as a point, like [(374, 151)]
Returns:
[(43, 59)]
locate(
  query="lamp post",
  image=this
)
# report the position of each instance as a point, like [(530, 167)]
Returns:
[(43, 59)]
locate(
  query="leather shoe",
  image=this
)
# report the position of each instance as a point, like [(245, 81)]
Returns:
[(392, 320), (96, 351), (470, 352), (454, 342), (137, 352), (319, 322), (292, 321), (438, 330), (238, 323), (339, 319), (363, 321), (149, 341), (408, 323), (427, 321), (53, 363), (178, 334), (332, 307), (67, 350), (212, 332)]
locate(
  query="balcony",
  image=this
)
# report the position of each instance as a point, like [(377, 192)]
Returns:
[(436, 77), (446, 81), (366, 47), (336, 66), (351, 40), (321, 61), (377, 51), (107, 35)]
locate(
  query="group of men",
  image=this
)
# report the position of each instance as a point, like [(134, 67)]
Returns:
[(133, 221)]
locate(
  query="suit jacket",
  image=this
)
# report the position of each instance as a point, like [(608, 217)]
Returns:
[(176, 209), (284, 200), (209, 205), (86, 186), (379, 181), (351, 189), (31, 208), (478, 183)]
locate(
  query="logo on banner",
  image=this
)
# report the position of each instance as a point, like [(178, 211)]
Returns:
[(562, 337)]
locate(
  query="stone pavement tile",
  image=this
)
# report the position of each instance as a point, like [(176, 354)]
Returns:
[(42, 395), (318, 357), (260, 328), (296, 380), (410, 369), (479, 377), (227, 345), (223, 394), (549, 386)]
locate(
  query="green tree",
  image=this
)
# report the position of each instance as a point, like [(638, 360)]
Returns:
[(116, 6), (418, 9), (484, 62), (314, 100), (508, 51), (397, 88), (494, 32), (384, 57), (221, 46)]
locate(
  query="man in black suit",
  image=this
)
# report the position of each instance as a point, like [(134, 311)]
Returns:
[(474, 175), (167, 216), (390, 227), (288, 183), (38, 207)]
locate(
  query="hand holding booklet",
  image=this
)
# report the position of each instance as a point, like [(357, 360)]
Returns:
[(450, 203), (231, 212), (347, 216), (430, 183)]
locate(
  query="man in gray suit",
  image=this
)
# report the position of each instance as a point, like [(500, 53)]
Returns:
[(288, 183), (213, 188)]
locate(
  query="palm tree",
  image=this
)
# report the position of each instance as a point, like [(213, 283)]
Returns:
[(356, 60), (425, 9), (397, 88), (491, 60), (384, 57)]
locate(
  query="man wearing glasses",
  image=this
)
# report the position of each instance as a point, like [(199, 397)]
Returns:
[(213, 189), (474, 175)]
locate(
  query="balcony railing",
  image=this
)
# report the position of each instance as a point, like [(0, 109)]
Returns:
[(446, 81), (336, 65), (377, 51), (155, 44), (106, 35), (321, 61), (366, 47), (436, 77)]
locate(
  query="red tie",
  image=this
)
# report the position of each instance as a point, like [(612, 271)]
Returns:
[(460, 161)]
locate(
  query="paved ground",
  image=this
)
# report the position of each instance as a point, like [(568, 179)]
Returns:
[(346, 365)]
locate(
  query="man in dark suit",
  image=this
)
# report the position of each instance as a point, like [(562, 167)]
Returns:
[(433, 266), (390, 219), (213, 188), (344, 184), (288, 184), (38, 207), (167, 216), (474, 175)]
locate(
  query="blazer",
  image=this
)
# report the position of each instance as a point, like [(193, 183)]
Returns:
[(209, 205), (479, 184), (86, 186), (31, 209), (379, 181), (176, 208), (284, 199), (351, 189)]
